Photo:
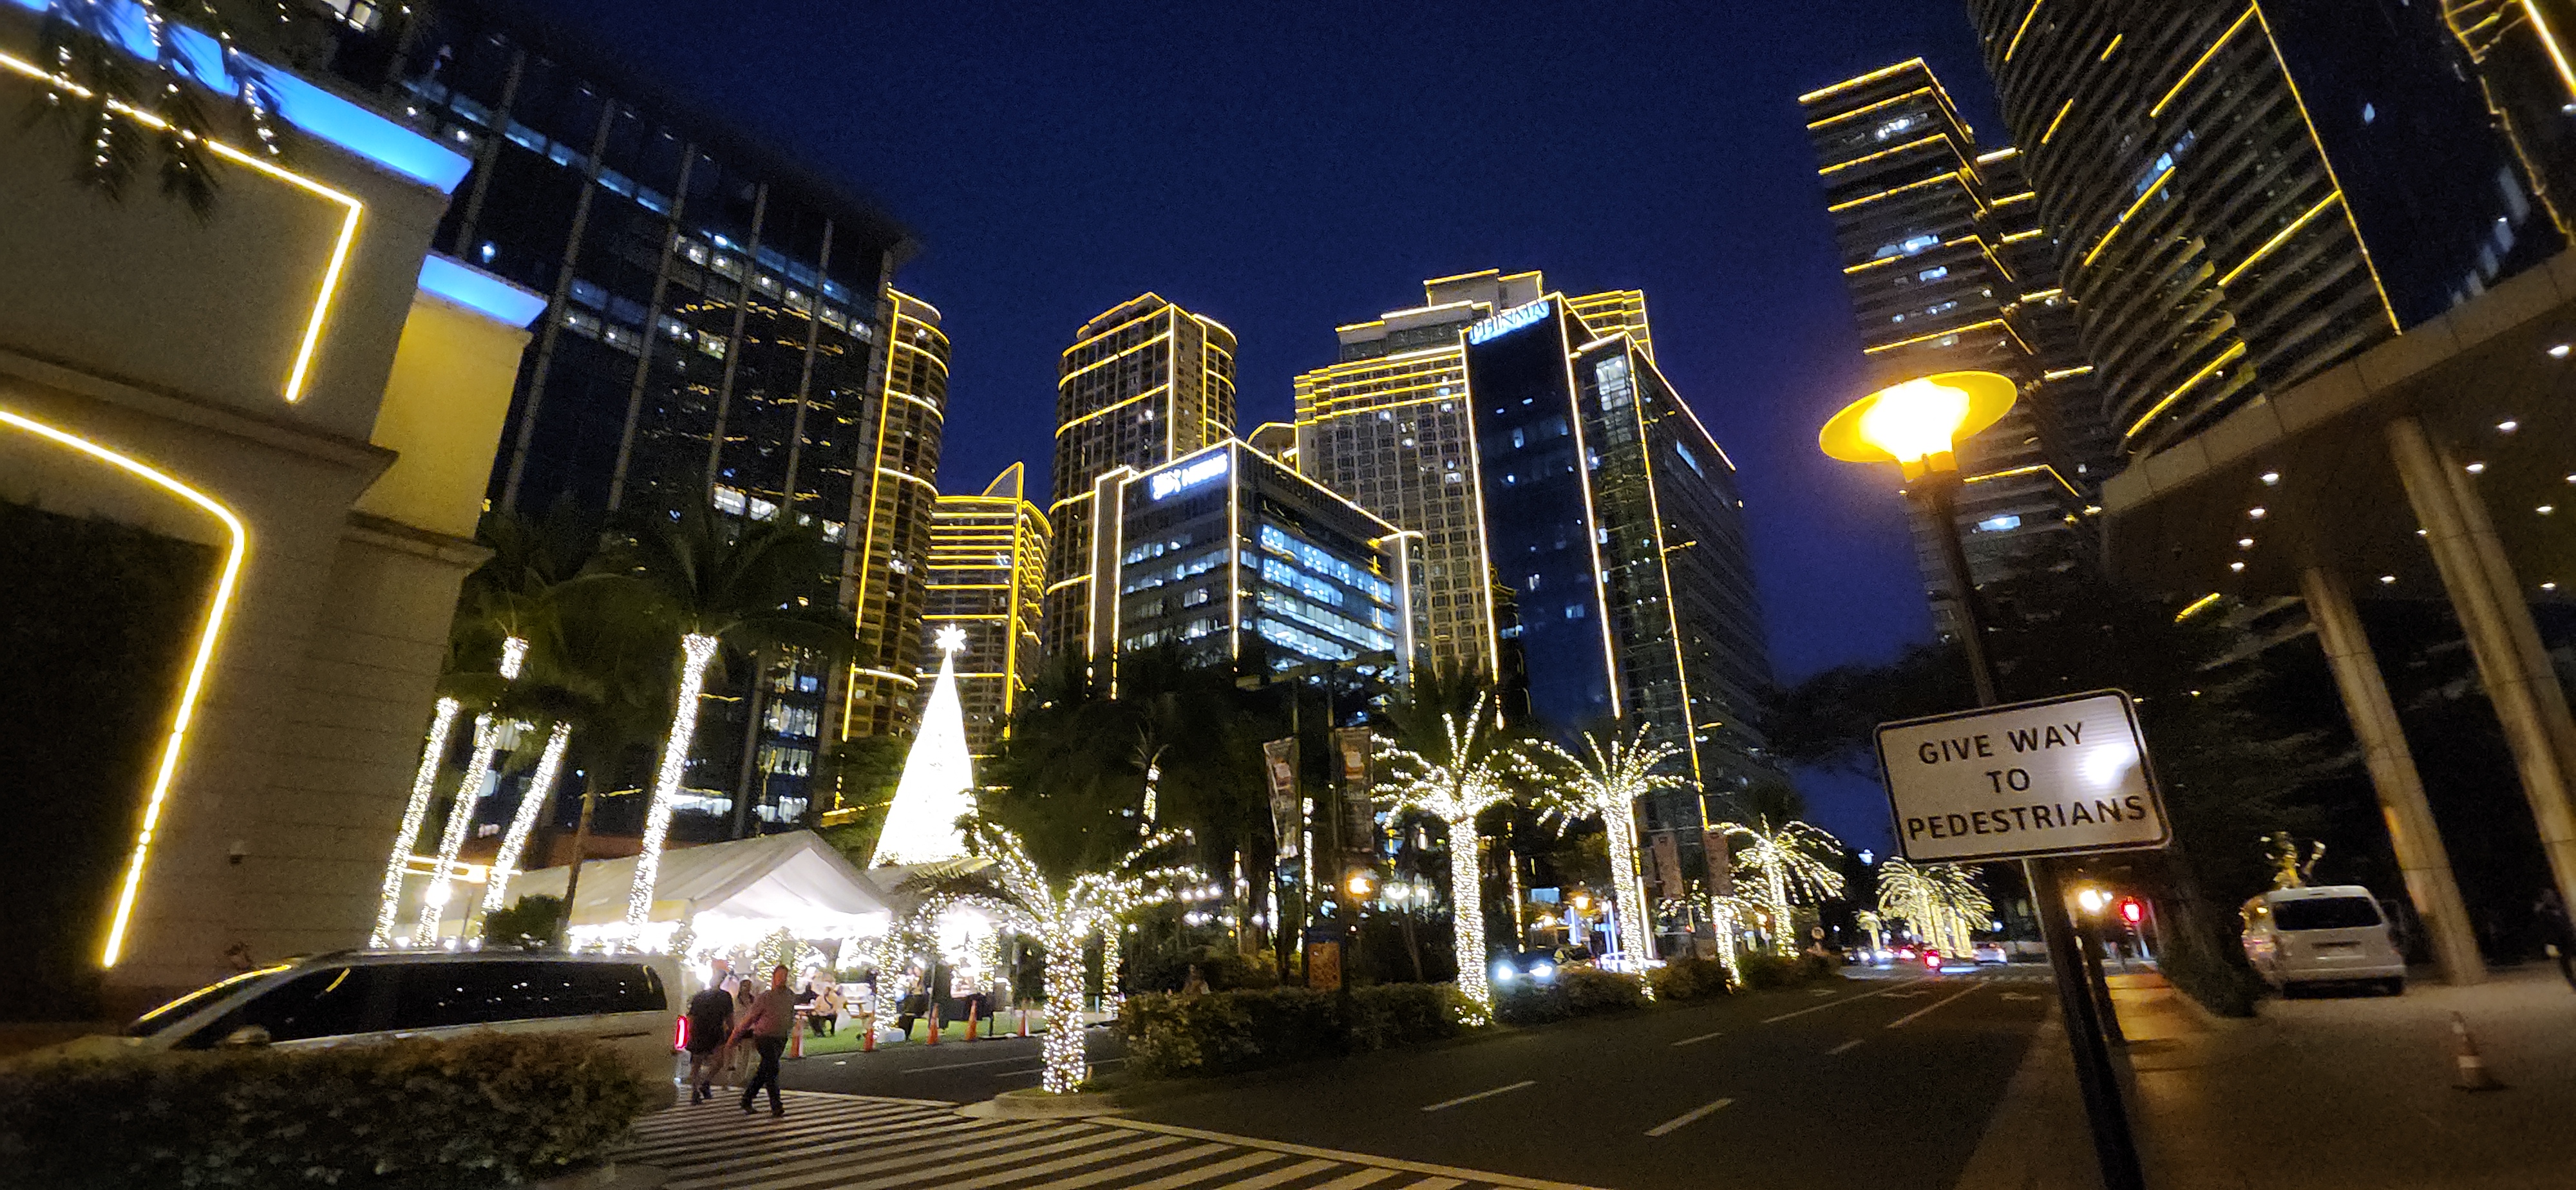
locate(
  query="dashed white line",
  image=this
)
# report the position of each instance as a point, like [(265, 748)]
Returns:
[(1686, 1117), (1900, 1021), (1839, 1003), (1696, 1040), (1844, 1048), (1448, 1103)]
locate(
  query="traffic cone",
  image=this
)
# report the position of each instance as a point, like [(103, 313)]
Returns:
[(974, 1013), (796, 1037), (934, 1024), (868, 1037), (1023, 1014), (2470, 1072)]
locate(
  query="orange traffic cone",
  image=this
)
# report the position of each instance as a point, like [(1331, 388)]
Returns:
[(1023, 1014), (974, 1014), (934, 1024), (796, 1037), (868, 1034), (2470, 1070)]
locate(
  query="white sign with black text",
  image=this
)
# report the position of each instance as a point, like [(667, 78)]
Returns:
[(2058, 776)]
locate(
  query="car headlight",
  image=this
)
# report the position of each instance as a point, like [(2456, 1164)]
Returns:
[(1502, 973), (1543, 972)]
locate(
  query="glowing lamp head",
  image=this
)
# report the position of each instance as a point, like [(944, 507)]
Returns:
[(1359, 884), (1918, 423), (2092, 899)]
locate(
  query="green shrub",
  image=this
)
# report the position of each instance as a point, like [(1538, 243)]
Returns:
[(535, 920), (1172, 1036), (406, 1115), (1526, 1003), (1763, 969), (1577, 991), (1687, 979)]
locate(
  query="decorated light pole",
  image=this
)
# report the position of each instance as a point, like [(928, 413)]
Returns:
[(1466, 777)]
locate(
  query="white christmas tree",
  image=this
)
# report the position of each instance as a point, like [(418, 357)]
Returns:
[(938, 785)]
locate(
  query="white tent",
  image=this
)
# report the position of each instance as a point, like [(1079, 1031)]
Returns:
[(729, 894)]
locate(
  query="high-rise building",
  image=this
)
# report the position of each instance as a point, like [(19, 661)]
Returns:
[(1385, 424), (1949, 271), (987, 577), (1144, 383), (2246, 194), (716, 319), (889, 576), (2523, 52), (1227, 553)]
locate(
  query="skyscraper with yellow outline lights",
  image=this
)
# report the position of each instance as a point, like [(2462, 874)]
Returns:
[(987, 576), (1948, 270), (891, 512), (1144, 383)]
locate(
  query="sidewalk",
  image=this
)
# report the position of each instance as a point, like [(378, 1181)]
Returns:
[(2345, 1093)]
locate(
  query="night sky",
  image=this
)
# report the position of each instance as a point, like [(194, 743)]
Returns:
[(1284, 168)]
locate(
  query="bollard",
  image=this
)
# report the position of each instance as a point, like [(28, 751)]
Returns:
[(934, 1024), (2469, 1071)]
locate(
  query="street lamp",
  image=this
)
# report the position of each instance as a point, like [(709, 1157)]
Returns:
[(2091, 898), (1917, 424)]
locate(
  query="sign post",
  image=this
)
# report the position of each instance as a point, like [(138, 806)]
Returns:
[(2029, 781)]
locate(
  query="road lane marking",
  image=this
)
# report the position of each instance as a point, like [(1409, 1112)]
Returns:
[(1696, 1040), (1527, 1082), (1686, 1117), (1822, 992), (1927, 1008), (1844, 1048), (1379, 1167), (1768, 1020), (1037, 1068), (964, 1065), (2021, 996)]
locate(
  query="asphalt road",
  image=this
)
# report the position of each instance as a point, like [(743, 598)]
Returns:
[(1875, 1082)]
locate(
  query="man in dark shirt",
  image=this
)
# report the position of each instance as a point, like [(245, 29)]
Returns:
[(710, 1022), (767, 1024)]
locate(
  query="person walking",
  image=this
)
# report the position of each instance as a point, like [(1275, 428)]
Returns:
[(772, 1016), (2557, 932), (710, 1023), (740, 1055)]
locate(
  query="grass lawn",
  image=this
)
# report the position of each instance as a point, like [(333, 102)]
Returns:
[(955, 1031)]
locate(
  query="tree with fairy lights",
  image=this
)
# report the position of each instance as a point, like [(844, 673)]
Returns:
[(1794, 860), (130, 81), (1061, 914), (1938, 900), (1607, 781), (1454, 773)]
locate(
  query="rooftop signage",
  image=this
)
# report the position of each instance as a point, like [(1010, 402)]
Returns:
[(1188, 475), (1506, 322)]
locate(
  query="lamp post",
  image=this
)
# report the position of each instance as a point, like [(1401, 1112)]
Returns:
[(1917, 424)]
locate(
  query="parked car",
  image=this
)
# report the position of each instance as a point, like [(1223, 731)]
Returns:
[(2299, 937), (1527, 967), (629, 1002)]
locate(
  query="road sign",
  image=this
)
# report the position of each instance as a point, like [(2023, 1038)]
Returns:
[(2058, 776)]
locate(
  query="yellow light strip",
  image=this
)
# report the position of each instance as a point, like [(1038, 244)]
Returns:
[(1845, 85), (2203, 374), (2192, 608), (2112, 48), (203, 660), (2123, 221), (1958, 176), (2549, 42), (2015, 43), (2318, 143), (1863, 160), (2063, 373), (1867, 108), (2280, 237), (1927, 337), (331, 273), (1147, 395), (2203, 60), (2051, 134)]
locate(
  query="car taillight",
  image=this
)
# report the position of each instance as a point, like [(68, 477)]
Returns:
[(1931, 960), (680, 1033)]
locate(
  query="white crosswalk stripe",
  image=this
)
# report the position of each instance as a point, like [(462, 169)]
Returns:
[(855, 1142)]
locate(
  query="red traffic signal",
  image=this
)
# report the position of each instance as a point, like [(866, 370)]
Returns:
[(2131, 911)]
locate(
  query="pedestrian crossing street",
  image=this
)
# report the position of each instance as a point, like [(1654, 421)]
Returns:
[(853, 1142)]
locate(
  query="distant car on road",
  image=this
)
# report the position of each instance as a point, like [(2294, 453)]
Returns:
[(1990, 952), (631, 1003), (2300, 937), (1528, 968)]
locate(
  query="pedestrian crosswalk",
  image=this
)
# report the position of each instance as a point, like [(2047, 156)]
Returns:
[(853, 1142)]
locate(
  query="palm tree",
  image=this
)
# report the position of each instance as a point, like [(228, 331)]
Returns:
[(1939, 900), (1060, 912), (717, 585), (1454, 775), (1794, 858), (99, 85), (1607, 781)]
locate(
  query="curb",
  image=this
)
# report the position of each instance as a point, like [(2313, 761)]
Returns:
[(1034, 1104)]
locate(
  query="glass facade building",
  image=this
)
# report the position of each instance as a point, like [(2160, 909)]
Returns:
[(987, 578), (715, 332), (1229, 556), (1949, 269), (1144, 383)]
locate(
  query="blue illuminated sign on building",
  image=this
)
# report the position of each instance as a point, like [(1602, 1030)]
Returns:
[(1507, 321), (1189, 475)]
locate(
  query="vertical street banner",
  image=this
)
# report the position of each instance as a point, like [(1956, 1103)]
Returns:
[(1352, 745), (1667, 850), (1279, 763), (1721, 866)]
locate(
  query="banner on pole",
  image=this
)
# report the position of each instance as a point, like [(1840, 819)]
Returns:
[(1352, 745), (1279, 763)]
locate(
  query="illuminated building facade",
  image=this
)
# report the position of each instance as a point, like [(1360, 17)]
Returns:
[(2526, 71), (987, 576), (1226, 555), (1144, 383), (1614, 521), (1949, 270), (716, 329), (2246, 194), (1386, 424)]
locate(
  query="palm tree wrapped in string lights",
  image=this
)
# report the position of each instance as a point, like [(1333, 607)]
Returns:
[(1455, 774), (1607, 781), (1794, 860), (1938, 900)]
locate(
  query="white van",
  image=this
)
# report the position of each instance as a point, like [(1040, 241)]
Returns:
[(2330, 934), (629, 1002)]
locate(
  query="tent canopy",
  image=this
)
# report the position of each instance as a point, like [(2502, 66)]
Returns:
[(791, 881)]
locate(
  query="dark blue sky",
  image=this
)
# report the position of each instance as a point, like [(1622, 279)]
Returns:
[(1287, 167)]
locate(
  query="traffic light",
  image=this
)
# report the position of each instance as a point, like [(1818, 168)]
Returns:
[(2131, 911)]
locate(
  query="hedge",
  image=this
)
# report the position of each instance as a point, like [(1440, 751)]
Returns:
[(1686, 979), (486, 1110), (1576, 991), (1766, 969), (1174, 1036)]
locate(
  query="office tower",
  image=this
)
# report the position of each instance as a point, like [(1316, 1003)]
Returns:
[(1227, 554), (893, 514), (1144, 383), (716, 313), (987, 577), (2248, 194), (1949, 271), (2523, 53), (1614, 520), (1384, 425)]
